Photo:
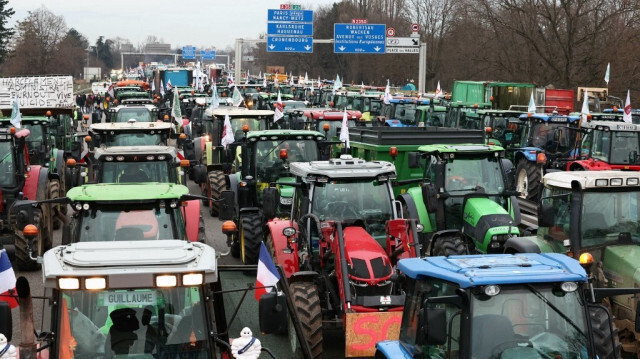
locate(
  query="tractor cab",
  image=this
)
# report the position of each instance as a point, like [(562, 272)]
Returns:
[(464, 203), (400, 112), (130, 134), (459, 111), (503, 127), (131, 209), (333, 119), (152, 164), (430, 115), (132, 113), (159, 299), (608, 146), (501, 306), (370, 105)]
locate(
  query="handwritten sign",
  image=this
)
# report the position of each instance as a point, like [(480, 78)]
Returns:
[(364, 330), (37, 92)]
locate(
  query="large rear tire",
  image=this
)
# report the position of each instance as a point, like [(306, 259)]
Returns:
[(449, 246), (528, 180), (216, 184), (250, 237), (606, 348), (54, 192), (306, 300)]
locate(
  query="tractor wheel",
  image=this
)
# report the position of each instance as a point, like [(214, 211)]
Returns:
[(602, 334), (268, 242), (528, 180), (306, 300), (217, 185), (449, 246), (54, 192), (250, 237), (202, 237)]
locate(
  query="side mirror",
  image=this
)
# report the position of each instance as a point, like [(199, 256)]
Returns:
[(546, 215), (432, 326), (226, 207), (66, 235), (6, 323), (430, 197), (272, 312), (414, 159), (270, 201)]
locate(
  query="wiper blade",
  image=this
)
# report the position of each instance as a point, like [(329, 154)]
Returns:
[(552, 306)]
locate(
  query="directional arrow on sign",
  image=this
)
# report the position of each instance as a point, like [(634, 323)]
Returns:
[(377, 48), (272, 46), (341, 48), (307, 47)]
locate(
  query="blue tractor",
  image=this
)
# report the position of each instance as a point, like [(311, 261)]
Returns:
[(503, 306), (546, 142)]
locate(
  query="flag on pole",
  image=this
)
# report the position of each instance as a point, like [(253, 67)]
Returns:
[(291, 82), (344, 130), (311, 89), (260, 75), (627, 108), (438, 91), (264, 83), (162, 88), (306, 78), (214, 97), (176, 112), (387, 94), (607, 74), (228, 138), (532, 105), (337, 84), (230, 81), (153, 86), (584, 113), (7, 280), (362, 88), (267, 275), (169, 86), (237, 97), (16, 116), (278, 113)]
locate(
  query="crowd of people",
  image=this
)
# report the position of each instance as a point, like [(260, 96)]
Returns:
[(90, 102)]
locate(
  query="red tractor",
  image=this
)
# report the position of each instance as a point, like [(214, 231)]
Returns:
[(608, 145), (20, 185), (340, 248)]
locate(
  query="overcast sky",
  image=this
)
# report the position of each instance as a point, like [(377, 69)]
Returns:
[(201, 23)]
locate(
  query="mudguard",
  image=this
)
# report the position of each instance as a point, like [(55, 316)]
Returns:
[(533, 244), (208, 151), (284, 257), (400, 240), (590, 165), (514, 210), (56, 167), (30, 189), (530, 153), (415, 195), (191, 214), (391, 349)]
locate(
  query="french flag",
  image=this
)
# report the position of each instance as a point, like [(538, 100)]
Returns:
[(7, 280), (268, 275)]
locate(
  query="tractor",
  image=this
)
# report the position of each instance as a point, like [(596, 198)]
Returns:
[(464, 202), (546, 142), (430, 115), (21, 183), (608, 146), (132, 211), (132, 110), (153, 299), (340, 245), (265, 160), (595, 214), (400, 112), (503, 306)]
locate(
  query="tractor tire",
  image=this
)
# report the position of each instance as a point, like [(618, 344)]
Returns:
[(268, 242), (202, 236), (306, 300), (449, 246), (217, 184), (250, 237), (605, 348), (54, 192), (528, 180)]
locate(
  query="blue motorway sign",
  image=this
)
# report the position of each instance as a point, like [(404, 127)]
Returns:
[(359, 38), (188, 52), (290, 15), (290, 44), (290, 29), (208, 54)]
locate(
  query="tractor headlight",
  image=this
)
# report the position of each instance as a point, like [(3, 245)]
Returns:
[(492, 290), (85, 206), (95, 283), (68, 283), (616, 181), (289, 231), (569, 286), (166, 280), (602, 182), (419, 227), (632, 181), (286, 201), (78, 206), (192, 279)]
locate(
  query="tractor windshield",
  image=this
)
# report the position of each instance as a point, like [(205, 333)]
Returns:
[(139, 114), (36, 133), (610, 217), (526, 321), (269, 166), (131, 172), (138, 323), (134, 139), (7, 169), (253, 123), (111, 223), (405, 113), (614, 147), (551, 137), (334, 125), (364, 200), (471, 174)]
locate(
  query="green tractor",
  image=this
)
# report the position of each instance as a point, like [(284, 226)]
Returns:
[(594, 214), (430, 115), (464, 201)]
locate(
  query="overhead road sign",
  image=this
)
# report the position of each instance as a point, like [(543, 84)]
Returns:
[(289, 29), (275, 15), (359, 38), (290, 44), (188, 52), (208, 54), (403, 41)]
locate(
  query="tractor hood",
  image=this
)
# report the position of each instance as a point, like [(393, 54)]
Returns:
[(488, 223), (621, 265), (366, 259), (286, 191)]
